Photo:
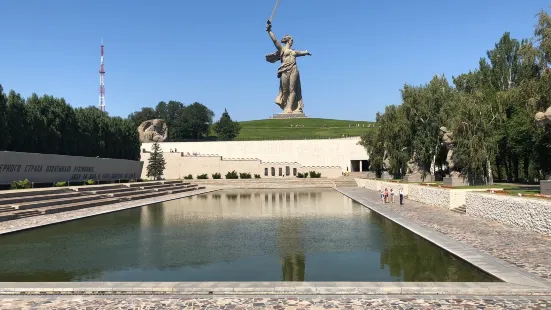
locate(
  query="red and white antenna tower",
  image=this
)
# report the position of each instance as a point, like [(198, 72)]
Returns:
[(101, 84)]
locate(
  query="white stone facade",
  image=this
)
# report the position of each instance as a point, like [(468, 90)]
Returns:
[(314, 153), (530, 214)]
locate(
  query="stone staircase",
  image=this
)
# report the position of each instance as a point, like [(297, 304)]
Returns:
[(461, 209), (345, 181), (22, 204)]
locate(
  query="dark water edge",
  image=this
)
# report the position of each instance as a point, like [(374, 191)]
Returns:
[(233, 235)]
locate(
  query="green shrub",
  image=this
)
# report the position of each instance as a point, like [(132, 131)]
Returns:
[(302, 175), (60, 184), (202, 176), (232, 175), (90, 182), (244, 175), (217, 176), (188, 177), (21, 184), (314, 174), (257, 176)]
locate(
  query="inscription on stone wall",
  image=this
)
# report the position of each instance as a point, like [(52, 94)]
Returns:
[(79, 173)]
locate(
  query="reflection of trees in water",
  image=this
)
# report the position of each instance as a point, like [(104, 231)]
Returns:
[(231, 196), (245, 196), (417, 260), (216, 196)]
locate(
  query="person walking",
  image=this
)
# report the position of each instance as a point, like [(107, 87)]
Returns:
[(401, 193), (382, 196), (391, 195)]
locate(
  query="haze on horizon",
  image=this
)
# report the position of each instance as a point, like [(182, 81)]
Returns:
[(213, 51)]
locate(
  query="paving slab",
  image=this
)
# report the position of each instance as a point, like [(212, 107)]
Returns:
[(275, 302)]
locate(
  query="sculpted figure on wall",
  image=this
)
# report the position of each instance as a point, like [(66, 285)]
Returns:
[(153, 130), (289, 98), (447, 140)]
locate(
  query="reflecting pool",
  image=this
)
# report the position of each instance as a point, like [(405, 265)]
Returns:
[(232, 235)]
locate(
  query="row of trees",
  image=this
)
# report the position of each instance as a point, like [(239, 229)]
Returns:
[(192, 122), (51, 126), (489, 110)]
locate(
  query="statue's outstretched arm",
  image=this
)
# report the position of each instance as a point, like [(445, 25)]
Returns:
[(273, 37), (302, 53)]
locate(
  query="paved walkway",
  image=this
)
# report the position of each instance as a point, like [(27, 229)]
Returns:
[(528, 250), (302, 302)]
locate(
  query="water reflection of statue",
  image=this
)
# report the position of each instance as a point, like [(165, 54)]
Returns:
[(153, 130), (447, 140), (293, 261)]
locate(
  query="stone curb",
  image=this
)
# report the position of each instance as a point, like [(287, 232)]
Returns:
[(484, 290)]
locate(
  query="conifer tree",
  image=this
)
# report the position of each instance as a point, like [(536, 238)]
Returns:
[(157, 162)]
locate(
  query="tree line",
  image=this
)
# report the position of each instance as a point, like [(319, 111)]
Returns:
[(49, 125), (489, 110)]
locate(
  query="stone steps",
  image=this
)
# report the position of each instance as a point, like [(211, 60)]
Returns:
[(144, 195), (188, 189), (27, 193), (142, 184), (54, 202), (461, 209), (113, 190), (60, 195), (163, 185), (92, 188), (79, 205)]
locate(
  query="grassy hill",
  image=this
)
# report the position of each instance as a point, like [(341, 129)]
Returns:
[(308, 128)]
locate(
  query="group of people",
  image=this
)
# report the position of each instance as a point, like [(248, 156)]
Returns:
[(388, 196)]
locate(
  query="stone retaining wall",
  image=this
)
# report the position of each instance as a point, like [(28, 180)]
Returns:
[(527, 213), (434, 196), (530, 214)]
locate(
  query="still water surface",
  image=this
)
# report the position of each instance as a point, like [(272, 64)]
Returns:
[(234, 235)]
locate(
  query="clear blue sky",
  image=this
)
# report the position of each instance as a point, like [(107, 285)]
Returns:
[(212, 51)]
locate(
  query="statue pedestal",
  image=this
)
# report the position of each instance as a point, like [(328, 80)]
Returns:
[(386, 176), (289, 116), (545, 187), (418, 178), (371, 175), (456, 179)]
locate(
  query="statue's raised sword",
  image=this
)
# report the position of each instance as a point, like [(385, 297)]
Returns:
[(273, 13)]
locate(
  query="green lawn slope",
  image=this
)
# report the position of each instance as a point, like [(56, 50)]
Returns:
[(308, 128)]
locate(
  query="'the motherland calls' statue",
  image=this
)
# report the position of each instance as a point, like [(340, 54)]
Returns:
[(289, 98), (153, 130)]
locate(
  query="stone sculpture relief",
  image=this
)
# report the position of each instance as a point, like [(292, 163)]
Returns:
[(289, 98), (154, 130), (447, 140), (544, 118), (413, 164)]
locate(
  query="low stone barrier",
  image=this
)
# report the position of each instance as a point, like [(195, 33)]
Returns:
[(527, 213), (435, 196)]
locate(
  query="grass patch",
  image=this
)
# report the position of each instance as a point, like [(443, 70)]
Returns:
[(308, 128)]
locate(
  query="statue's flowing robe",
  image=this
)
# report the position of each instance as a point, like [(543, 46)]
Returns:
[(289, 71)]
